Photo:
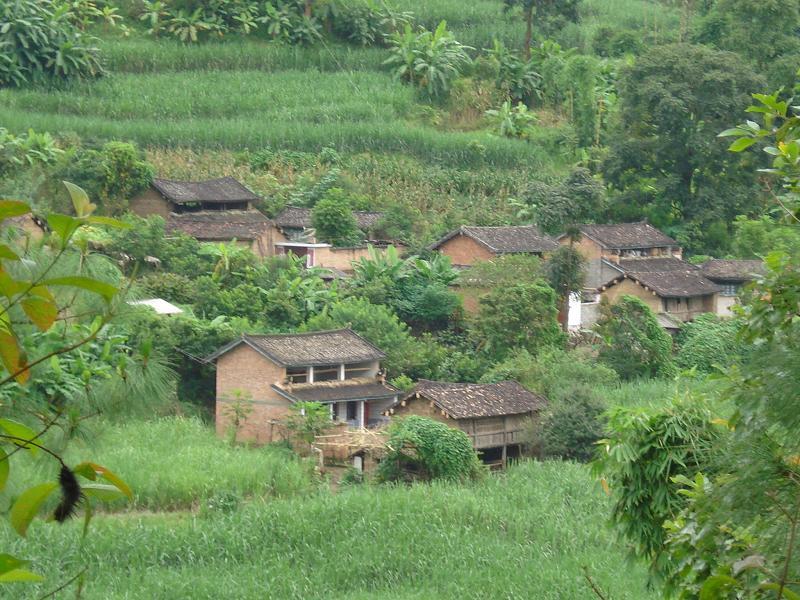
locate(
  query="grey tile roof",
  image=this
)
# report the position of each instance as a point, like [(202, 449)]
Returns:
[(222, 190), (219, 224), (674, 284), (475, 400), (505, 240), (296, 217), (308, 349), (361, 388), (626, 236), (732, 271), (655, 264)]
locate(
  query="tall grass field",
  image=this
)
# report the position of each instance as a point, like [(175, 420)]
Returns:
[(528, 534)]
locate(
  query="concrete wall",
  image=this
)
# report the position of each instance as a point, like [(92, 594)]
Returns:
[(464, 251), (338, 258), (245, 371), (725, 304), (626, 287), (150, 202)]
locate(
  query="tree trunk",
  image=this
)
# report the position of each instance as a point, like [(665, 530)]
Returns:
[(307, 11), (528, 31), (565, 312)]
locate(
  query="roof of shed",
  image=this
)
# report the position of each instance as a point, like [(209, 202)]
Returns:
[(732, 270), (359, 388), (626, 236), (475, 400), (219, 224), (672, 284), (296, 217), (506, 239), (222, 190), (339, 346)]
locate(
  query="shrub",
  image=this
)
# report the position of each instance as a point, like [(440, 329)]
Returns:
[(421, 448), (709, 341), (519, 316), (634, 344), (548, 372), (430, 60), (511, 121), (169, 286), (570, 427), (334, 221), (37, 44)]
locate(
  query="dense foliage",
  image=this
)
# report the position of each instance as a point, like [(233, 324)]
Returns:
[(426, 449), (40, 41), (633, 342)]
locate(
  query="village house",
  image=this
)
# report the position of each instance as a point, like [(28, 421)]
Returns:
[(467, 244), (300, 239), (673, 289), (493, 415), (268, 373), (249, 228), (731, 275), (604, 246), (166, 196)]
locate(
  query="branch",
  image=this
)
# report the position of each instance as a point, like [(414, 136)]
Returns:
[(65, 584), (592, 584), (28, 442)]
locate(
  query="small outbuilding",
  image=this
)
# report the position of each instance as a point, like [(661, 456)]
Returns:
[(165, 196), (493, 415)]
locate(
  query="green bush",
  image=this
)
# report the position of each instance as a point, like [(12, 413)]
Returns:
[(421, 448), (571, 426), (634, 344), (707, 342), (553, 372), (333, 220), (39, 42)]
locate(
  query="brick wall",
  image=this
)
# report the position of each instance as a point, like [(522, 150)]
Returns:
[(463, 250), (244, 374), (338, 258), (150, 202), (423, 408)]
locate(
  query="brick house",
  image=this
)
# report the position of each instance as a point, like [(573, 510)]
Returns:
[(604, 246), (268, 373), (467, 244), (250, 228), (493, 415), (673, 289), (731, 275), (165, 196), (299, 238)]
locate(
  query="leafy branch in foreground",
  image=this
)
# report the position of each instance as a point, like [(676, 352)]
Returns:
[(35, 296)]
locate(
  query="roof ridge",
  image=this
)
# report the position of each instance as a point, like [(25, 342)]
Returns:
[(299, 333)]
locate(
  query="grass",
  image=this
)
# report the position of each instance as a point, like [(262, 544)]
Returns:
[(143, 55), (353, 112), (175, 463), (527, 534)]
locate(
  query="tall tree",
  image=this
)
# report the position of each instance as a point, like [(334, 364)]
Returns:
[(665, 162), (564, 10), (566, 271)]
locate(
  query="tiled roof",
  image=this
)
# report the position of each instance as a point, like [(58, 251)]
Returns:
[(626, 236), (674, 284), (219, 224), (732, 270), (656, 264), (504, 240), (307, 349), (360, 388), (475, 400), (222, 190), (295, 217)]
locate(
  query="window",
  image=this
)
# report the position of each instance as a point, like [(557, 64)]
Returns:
[(730, 289), (352, 411), (297, 374), (326, 373), (362, 369)]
